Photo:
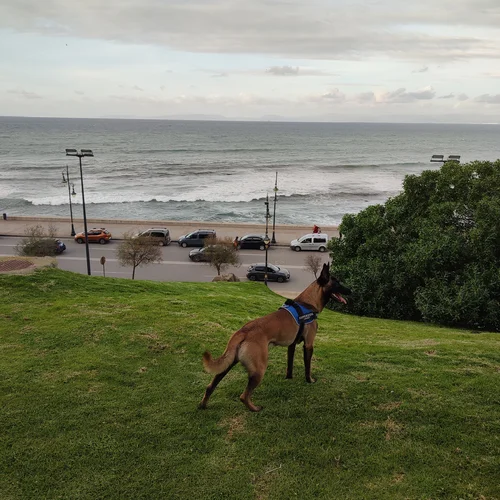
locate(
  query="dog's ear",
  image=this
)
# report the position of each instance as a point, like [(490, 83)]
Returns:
[(324, 277)]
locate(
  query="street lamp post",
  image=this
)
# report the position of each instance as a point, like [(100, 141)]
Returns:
[(266, 239), (266, 244), (70, 193), (273, 239), (80, 155), (268, 215)]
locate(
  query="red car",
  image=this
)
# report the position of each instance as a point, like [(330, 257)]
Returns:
[(95, 235)]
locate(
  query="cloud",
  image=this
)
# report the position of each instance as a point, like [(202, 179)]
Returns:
[(219, 75), (295, 71), (283, 71), (365, 97), (240, 99), (25, 94), (139, 89), (448, 96), (331, 96), (79, 92), (334, 95), (401, 96), (296, 29), (462, 97), (489, 99), (424, 69)]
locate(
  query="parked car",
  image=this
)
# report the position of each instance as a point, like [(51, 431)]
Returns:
[(199, 254), (313, 241), (252, 241), (196, 238), (274, 273), (158, 234), (59, 247), (95, 235)]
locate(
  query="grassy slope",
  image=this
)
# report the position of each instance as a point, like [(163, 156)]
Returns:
[(100, 379)]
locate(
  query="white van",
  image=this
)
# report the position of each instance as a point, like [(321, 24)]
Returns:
[(313, 241)]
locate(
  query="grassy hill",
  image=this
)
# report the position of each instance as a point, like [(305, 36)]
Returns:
[(100, 381)]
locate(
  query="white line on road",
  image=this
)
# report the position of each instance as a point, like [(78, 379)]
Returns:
[(164, 262)]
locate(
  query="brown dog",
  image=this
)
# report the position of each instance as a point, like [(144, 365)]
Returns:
[(293, 323)]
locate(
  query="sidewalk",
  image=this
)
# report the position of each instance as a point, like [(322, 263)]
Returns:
[(17, 225)]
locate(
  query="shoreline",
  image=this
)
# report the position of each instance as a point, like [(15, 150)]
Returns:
[(16, 225)]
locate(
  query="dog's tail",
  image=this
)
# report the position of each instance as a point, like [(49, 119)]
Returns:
[(229, 356)]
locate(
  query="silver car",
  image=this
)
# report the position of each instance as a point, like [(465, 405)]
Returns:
[(314, 241)]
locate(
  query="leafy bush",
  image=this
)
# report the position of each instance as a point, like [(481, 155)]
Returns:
[(37, 242), (431, 253)]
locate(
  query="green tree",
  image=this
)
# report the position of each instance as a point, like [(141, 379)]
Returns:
[(221, 253), (138, 251), (431, 253)]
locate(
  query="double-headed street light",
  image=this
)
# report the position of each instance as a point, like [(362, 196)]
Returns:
[(80, 155), (71, 192)]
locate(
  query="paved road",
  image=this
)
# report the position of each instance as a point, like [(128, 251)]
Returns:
[(176, 265)]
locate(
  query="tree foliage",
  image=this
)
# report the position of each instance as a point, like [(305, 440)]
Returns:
[(138, 251), (221, 253), (37, 242), (431, 253)]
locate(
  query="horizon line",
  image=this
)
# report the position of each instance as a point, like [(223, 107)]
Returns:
[(199, 118)]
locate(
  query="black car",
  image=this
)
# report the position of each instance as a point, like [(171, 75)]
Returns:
[(252, 241), (274, 273), (60, 247), (199, 254)]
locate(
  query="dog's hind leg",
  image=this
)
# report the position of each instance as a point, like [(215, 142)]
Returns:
[(211, 387), (254, 358), (291, 355), (254, 380)]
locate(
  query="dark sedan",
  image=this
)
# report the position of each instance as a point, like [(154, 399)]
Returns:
[(252, 241), (199, 254), (274, 273)]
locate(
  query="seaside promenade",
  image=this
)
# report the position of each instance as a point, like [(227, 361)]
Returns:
[(17, 225)]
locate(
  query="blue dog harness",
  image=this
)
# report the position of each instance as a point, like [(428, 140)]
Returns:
[(301, 314)]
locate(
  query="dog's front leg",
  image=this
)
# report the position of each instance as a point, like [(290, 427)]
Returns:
[(310, 335), (308, 352), (289, 366)]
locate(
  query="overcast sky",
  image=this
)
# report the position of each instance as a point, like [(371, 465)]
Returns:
[(335, 60)]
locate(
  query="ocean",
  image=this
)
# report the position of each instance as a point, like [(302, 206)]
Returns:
[(221, 171)]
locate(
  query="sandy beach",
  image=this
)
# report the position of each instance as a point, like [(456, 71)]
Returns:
[(17, 225)]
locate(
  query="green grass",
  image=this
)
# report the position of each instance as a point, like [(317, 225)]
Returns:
[(100, 381)]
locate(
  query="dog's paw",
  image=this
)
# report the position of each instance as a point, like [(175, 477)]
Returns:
[(311, 380), (289, 375)]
